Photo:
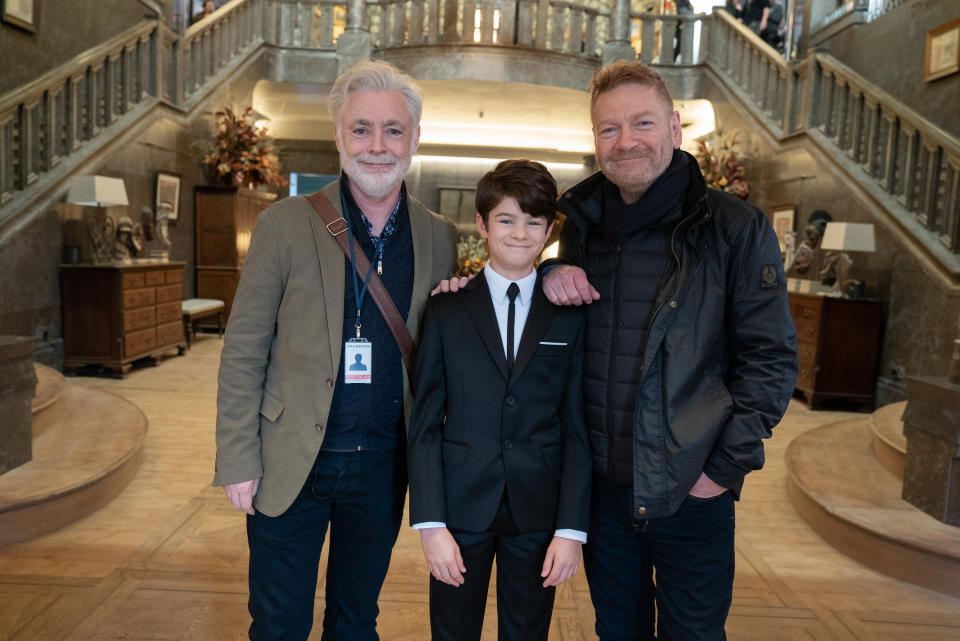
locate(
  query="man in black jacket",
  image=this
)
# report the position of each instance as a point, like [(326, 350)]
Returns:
[(690, 361)]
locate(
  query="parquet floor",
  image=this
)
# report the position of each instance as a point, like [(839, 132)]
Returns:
[(167, 559)]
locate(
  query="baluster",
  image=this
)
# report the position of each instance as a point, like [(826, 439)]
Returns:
[(28, 143), (324, 39), (415, 37), (399, 23), (525, 34), (384, 28), (307, 16), (686, 41), (450, 34), (951, 203), (486, 21), (285, 25), (433, 21), (543, 15), (55, 125), (938, 214), (871, 135), (928, 184), (647, 38), (558, 27), (888, 159), (469, 20), (575, 39), (508, 16), (908, 168), (668, 30), (6, 156), (93, 85), (590, 35)]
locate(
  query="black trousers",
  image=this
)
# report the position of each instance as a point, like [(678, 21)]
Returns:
[(692, 552), (359, 496), (524, 606)]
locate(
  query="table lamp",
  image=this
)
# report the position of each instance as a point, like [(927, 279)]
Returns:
[(99, 192), (843, 238)]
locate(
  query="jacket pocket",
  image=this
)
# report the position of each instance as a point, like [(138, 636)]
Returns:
[(552, 455), (454, 453), (271, 407)]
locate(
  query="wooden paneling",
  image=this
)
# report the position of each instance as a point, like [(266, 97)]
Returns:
[(111, 312)]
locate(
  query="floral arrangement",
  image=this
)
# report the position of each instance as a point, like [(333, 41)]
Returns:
[(722, 165), (241, 153), (471, 255)]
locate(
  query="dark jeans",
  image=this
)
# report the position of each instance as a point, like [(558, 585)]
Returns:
[(359, 495), (691, 551)]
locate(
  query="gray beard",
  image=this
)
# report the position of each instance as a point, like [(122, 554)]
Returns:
[(374, 185)]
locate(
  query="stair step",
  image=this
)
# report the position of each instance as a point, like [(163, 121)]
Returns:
[(851, 500), (80, 463), (46, 407), (889, 443)]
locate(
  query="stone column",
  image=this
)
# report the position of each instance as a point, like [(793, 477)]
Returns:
[(931, 423), (618, 46), (18, 382), (354, 43)]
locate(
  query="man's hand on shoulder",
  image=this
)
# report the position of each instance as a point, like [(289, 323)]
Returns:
[(568, 285), (443, 555), (561, 562), (241, 495), (452, 284), (705, 488)]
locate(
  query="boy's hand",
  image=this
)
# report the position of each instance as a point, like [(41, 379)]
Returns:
[(452, 284), (443, 555), (561, 562)]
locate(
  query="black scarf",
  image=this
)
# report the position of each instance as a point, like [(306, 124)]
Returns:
[(661, 204)]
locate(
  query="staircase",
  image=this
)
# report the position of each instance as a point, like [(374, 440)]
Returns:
[(845, 480), (87, 447)]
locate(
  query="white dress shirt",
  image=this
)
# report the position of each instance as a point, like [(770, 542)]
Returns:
[(501, 305)]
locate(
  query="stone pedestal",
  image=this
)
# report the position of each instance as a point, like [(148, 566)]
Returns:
[(931, 423), (352, 46), (18, 382)]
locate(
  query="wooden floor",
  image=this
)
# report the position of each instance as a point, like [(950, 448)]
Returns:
[(166, 560)]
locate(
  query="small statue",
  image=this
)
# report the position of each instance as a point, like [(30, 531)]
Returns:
[(162, 232), (129, 240), (146, 220), (816, 225), (100, 228)]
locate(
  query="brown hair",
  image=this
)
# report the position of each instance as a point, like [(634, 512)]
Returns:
[(527, 181), (622, 72)]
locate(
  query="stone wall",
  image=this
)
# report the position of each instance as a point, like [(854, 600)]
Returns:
[(889, 52), (922, 312), (65, 28)]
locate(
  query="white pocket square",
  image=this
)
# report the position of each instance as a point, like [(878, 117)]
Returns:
[(552, 343)]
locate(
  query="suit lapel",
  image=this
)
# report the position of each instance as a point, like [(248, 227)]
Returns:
[(332, 273), (476, 297), (538, 321)]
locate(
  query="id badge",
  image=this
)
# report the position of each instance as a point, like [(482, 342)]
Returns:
[(357, 361)]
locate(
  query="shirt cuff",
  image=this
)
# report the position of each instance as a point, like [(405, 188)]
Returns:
[(576, 535), (428, 524)]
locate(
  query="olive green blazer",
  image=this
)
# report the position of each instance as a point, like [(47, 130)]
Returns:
[(283, 343)]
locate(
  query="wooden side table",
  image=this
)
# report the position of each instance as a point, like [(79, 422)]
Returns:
[(838, 340)]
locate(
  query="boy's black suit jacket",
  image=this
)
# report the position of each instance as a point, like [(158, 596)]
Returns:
[(475, 431)]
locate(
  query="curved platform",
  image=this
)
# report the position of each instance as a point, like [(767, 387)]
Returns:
[(80, 463), (853, 501), (889, 443), (46, 407)]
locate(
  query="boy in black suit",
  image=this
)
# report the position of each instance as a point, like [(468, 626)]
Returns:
[(498, 456)]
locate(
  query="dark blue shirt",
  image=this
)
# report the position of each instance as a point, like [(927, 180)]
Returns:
[(362, 416)]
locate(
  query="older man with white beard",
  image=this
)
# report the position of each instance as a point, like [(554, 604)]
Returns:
[(306, 438)]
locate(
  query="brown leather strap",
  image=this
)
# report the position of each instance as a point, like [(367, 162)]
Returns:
[(337, 227)]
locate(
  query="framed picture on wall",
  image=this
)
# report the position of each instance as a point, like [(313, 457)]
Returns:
[(943, 51), (784, 221), (21, 13), (168, 194)]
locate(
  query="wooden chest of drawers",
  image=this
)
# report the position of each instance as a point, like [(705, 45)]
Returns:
[(838, 343), (116, 314)]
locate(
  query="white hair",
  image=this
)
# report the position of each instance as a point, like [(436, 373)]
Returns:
[(374, 75)]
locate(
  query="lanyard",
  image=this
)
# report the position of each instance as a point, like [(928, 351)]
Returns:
[(358, 293)]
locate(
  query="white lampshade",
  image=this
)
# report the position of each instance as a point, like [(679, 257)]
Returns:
[(97, 191), (849, 237)]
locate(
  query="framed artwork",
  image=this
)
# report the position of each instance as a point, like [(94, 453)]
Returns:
[(457, 204), (168, 194), (943, 51), (21, 13), (784, 221)]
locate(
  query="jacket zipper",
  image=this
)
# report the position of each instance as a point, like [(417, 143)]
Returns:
[(613, 355)]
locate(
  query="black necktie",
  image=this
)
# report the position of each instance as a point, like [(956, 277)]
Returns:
[(512, 292)]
